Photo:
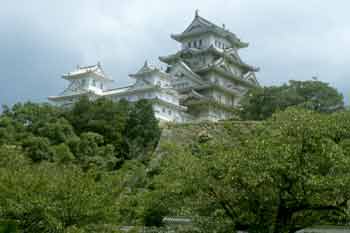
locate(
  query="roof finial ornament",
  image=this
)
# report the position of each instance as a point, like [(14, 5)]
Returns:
[(146, 63), (197, 13), (99, 64)]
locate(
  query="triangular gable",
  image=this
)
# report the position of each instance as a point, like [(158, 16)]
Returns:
[(85, 70), (92, 69), (223, 64), (250, 77), (75, 87), (191, 74), (181, 71), (193, 96), (196, 25), (199, 24), (141, 83), (145, 68)]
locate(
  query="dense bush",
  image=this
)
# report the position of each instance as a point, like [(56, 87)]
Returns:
[(61, 169), (86, 168), (98, 133), (261, 103)]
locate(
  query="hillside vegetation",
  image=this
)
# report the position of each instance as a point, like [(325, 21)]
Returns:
[(100, 165)]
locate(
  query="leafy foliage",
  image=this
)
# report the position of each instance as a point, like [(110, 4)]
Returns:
[(142, 131), (261, 103), (86, 168), (38, 149), (293, 172), (102, 116), (58, 165), (98, 133), (51, 198)]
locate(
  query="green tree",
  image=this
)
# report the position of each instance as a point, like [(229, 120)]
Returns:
[(49, 198), (101, 116), (291, 173), (142, 130), (91, 151), (62, 153), (261, 103), (132, 200), (57, 131), (25, 120), (8, 131), (31, 115), (38, 149)]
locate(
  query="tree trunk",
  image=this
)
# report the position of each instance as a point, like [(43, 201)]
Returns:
[(283, 221)]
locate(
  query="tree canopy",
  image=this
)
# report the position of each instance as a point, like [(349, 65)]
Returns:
[(100, 132), (261, 103), (61, 168), (293, 172), (92, 167)]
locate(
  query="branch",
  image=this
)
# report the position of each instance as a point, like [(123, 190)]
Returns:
[(320, 208), (225, 205)]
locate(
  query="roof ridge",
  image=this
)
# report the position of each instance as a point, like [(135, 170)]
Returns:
[(88, 67), (208, 22)]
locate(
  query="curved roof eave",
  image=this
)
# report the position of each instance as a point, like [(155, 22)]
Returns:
[(228, 35)]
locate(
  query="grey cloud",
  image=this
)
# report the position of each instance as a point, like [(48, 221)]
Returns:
[(40, 39)]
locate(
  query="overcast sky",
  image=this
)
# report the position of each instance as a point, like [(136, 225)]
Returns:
[(289, 39)]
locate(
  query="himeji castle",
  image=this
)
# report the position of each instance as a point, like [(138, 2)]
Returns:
[(204, 81)]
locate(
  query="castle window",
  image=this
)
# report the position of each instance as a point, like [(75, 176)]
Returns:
[(195, 44), (189, 44), (169, 112), (163, 110), (83, 82), (200, 43), (94, 83), (101, 85)]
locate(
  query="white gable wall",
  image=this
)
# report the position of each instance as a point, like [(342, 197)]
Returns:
[(179, 78), (156, 79), (154, 94), (207, 40), (167, 113)]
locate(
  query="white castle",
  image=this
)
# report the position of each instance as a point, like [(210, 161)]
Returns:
[(205, 80)]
